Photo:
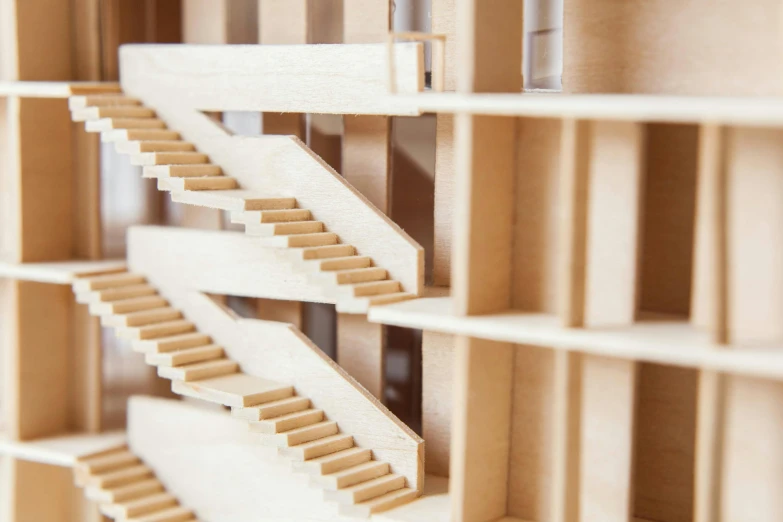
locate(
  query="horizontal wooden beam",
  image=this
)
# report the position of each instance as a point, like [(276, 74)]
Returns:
[(62, 450), (764, 112), (59, 272), (55, 89), (273, 78), (218, 262), (665, 342)]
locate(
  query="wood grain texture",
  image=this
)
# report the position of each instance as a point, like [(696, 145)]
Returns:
[(615, 188), (625, 48), (532, 449), (755, 277), (436, 400), (711, 400), (752, 451), (360, 351), (566, 433), (162, 74), (481, 423), (291, 169), (187, 258), (444, 199), (366, 157), (608, 426), (537, 209)]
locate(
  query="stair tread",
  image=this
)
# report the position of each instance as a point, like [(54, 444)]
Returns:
[(367, 490), (284, 228), (109, 111), (301, 240), (372, 288), (236, 390), (199, 370), (109, 124), (352, 476), (232, 200), (337, 461), (156, 330), (113, 460), (101, 100), (134, 304), (142, 317), (118, 135), (194, 170), (360, 305), (172, 342), (120, 476), (379, 504), (185, 355), (354, 275), (318, 448), (140, 146), (289, 421), (323, 252), (125, 492), (272, 409), (271, 216), (115, 294), (332, 264), (175, 514), (102, 282), (141, 506), (197, 183)]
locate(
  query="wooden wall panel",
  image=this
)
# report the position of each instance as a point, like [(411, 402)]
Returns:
[(668, 222), (530, 459), (436, 408), (753, 454), (536, 245), (649, 47)]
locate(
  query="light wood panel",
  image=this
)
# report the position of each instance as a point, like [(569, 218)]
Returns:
[(162, 74), (481, 423), (436, 400), (360, 351), (615, 188)]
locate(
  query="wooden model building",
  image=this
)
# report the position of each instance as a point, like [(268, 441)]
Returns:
[(400, 276)]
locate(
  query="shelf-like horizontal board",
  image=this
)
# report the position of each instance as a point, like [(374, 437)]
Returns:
[(59, 272), (62, 450), (673, 342)]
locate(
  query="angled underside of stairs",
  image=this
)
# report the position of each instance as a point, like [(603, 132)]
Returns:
[(199, 368), (127, 490), (352, 279)]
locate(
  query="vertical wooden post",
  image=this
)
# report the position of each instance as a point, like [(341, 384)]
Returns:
[(611, 287), (366, 165), (485, 150)]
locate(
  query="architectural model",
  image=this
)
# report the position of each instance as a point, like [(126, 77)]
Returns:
[(412, 261)]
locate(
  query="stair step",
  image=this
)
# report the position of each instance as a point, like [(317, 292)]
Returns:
[(138, 147), (131, 491), (182, 171), (142, 318), (185, 356), (120, 477), (271, 216), (367, 490), (108, 124), (172, 342), (169, 158), (280, 229), (118, 111), (103, 282), (368, 289), (352, 476), (351, 276), (101, 100), (153, 331), (238, 390), (336, 263), (202, 183), (288, 422), (104, 463), (303, 435), (120, 135), (272, 409), (124, 306), (335, 462), (115, 294), (379, 504), (232, 200), (322, 252), (301, 240), (200, 370), (318, 448), (143, 506), (175, 514), (360, 305)]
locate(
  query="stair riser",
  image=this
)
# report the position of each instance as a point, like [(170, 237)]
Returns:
[(335, 464), (271, 216), (362, 493), (302, 454), (368, 472), (152, 346), (191, 374), (271, 411), (272, 427), (185, 357)]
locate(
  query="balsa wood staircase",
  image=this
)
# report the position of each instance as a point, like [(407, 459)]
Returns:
[(199, 368), (351, 278), (127, 490)]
